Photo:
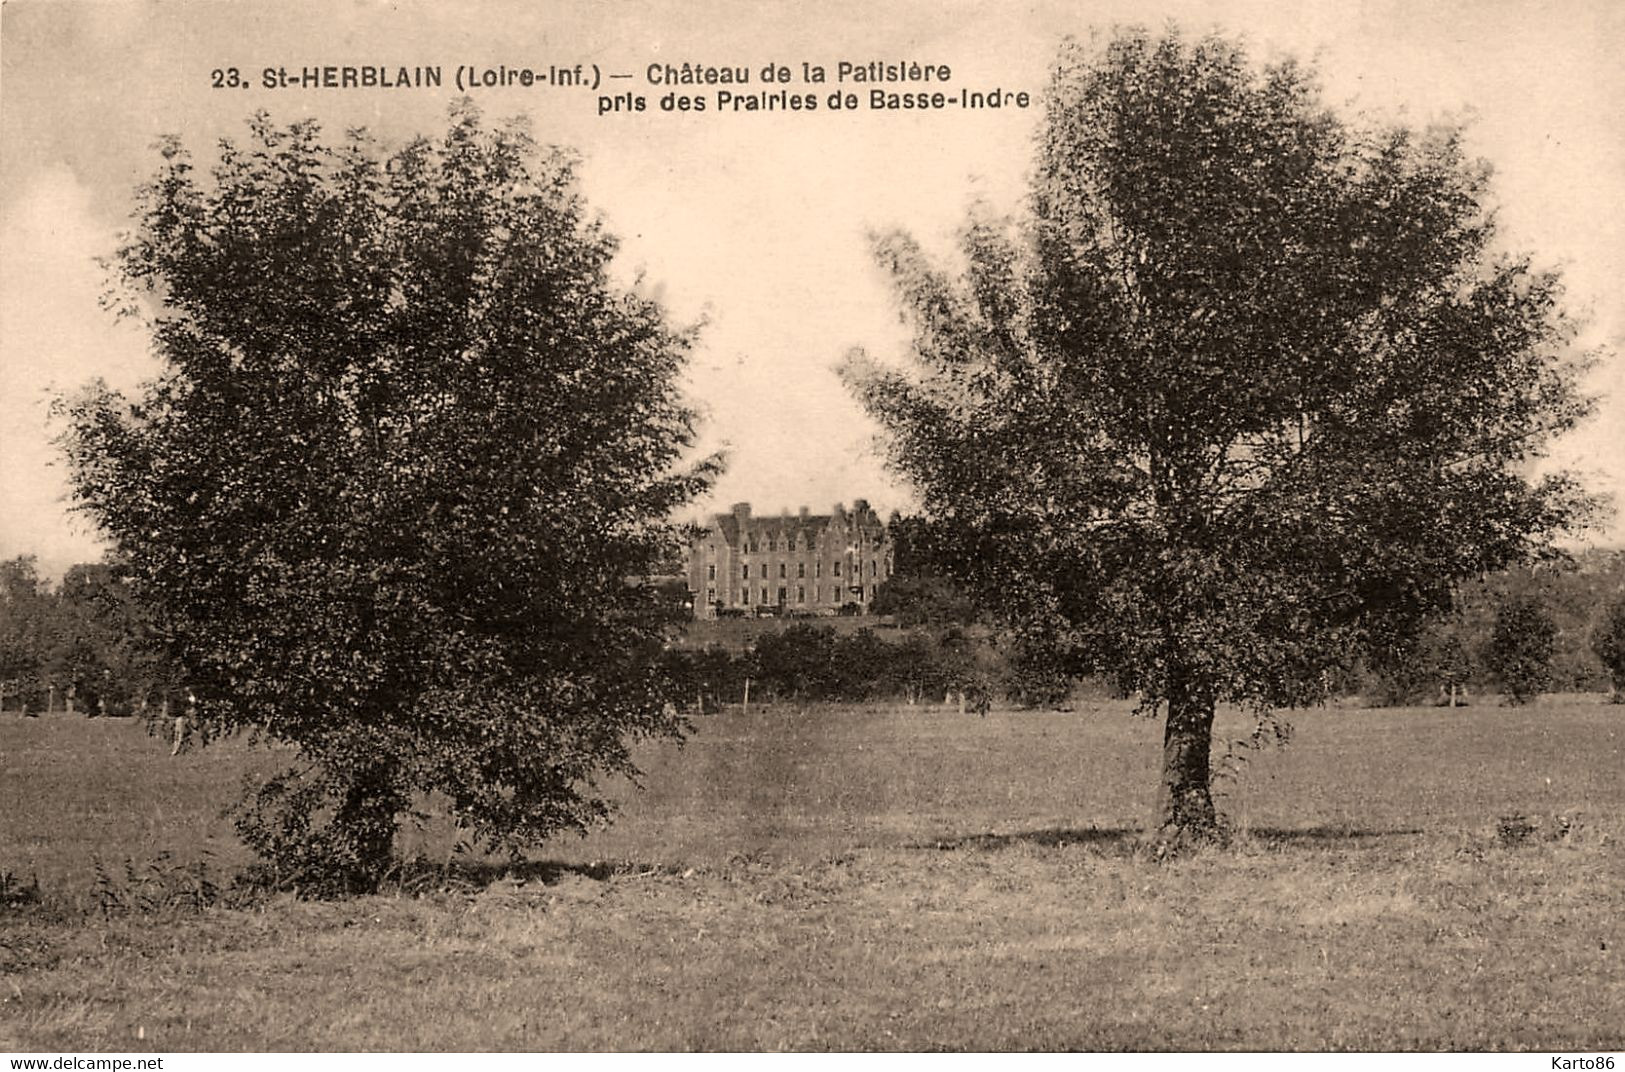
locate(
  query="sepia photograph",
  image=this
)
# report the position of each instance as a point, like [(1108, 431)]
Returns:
[(745, 527)]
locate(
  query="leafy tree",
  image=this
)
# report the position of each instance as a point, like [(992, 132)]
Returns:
[(1608, 641), (409, 442), (917, 669), (1247, 393), (25, 629), (797, 663), (920, 547), (1520, 649), (863, 667), (1032, 678), (1448, 663), (1435, 662), (927, 600)]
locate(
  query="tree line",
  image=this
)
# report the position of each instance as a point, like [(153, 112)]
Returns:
[(1522, 632), (968, 666), (1556, 626), (83, 645)]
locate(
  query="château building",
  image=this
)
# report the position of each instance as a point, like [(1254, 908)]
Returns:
[(789, 563)]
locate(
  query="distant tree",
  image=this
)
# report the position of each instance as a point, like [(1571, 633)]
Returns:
[(26, 613), (863, 667), (1608, 641), (1447, 660), (1520, 649), (917, 669), (1248, 393), (409, 444), (797, 663), (921, 601), (1434, 662)]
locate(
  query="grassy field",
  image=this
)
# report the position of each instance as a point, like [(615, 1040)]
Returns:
[(870, 879)]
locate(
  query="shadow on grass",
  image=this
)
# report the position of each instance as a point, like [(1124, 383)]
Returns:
[(1109, 837), (1323, 835), (421, 875), (1123, 840)]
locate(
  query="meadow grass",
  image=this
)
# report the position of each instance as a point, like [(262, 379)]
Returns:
[(870, 878)]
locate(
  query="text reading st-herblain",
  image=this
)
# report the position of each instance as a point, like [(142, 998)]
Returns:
[(688, 87)]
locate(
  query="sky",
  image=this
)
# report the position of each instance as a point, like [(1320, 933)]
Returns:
[(754, 223)]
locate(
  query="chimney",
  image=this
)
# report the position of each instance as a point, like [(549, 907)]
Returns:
[(741, 511), (803, 513)]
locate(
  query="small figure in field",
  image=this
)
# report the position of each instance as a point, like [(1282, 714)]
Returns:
[(183, 724)]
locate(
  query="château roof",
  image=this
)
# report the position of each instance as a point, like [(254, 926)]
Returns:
[(777, 526)]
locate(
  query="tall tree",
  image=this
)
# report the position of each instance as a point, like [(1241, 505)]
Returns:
[(410, 442), (1248, 392)]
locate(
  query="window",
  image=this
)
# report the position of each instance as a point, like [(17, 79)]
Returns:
[(836, 568), (790, 544), (801, 593), (818, 569), (871, 591), (783, 595), (771, 544), (834, 593), (871, 567), (781, 571), (764, 596), (764, 572), (746, 574), (710, 596), (801, 569), (711, 572)]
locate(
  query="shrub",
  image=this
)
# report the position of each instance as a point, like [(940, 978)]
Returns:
[(1520, 648), (798, 663), (1608, 641)]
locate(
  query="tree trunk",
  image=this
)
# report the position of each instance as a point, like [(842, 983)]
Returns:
[(1185, 802), (367, 821)]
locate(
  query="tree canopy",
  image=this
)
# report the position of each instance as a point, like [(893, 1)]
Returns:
[(1248, 388), (410, 444)]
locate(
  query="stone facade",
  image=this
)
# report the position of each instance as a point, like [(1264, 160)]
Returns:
[(789, 563)]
